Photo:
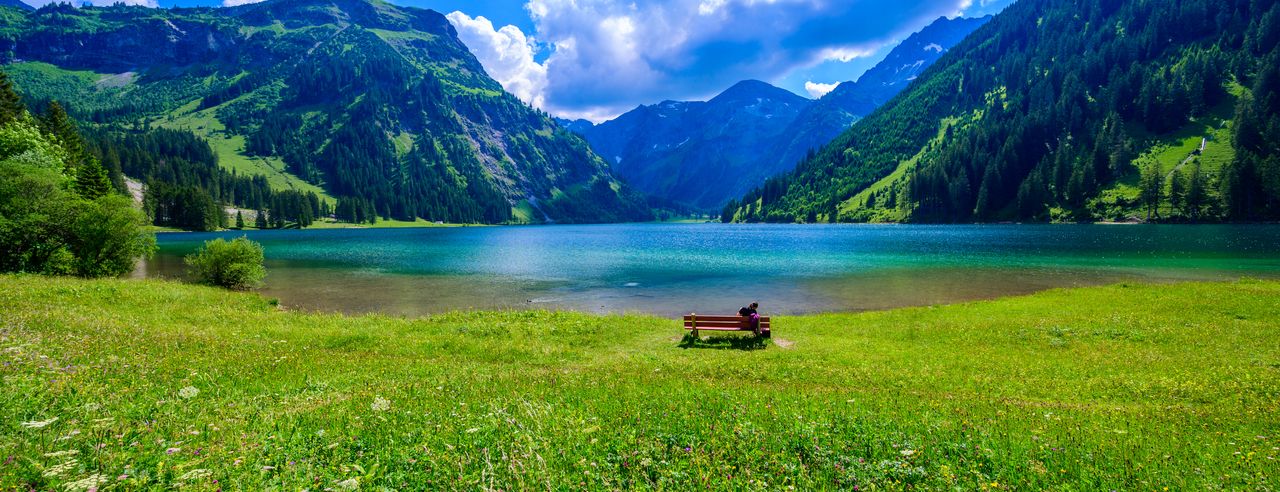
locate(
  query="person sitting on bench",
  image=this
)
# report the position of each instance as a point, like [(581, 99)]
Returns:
[(751, 313)]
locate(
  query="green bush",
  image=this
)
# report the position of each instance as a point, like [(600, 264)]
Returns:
[(47, 228), (235, 264)]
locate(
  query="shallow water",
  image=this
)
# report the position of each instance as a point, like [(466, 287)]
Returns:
[(668, 269)]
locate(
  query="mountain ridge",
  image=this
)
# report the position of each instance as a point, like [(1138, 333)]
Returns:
[(370, 100), (703, 153)]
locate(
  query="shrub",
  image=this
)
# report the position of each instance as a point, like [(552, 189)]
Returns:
[(46, 228), (235, 264), (108, 236)]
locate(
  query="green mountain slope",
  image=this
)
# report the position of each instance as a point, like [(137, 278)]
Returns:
[(1056, 111), (369, 101)]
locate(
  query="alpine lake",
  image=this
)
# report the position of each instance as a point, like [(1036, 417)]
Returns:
[(673, 269)]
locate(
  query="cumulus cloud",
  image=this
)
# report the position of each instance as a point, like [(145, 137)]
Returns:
[(507, 55), (817, 90), (235, 3), (606, 56)]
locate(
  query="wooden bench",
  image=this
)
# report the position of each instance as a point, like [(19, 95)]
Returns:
[(697, 322)]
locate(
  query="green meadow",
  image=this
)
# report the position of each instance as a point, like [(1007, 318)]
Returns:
[(129, 385)]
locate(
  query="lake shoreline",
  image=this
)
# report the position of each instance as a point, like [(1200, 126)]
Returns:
[(673, 269)]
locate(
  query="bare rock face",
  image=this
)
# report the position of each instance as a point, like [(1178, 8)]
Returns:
[(128, 46)]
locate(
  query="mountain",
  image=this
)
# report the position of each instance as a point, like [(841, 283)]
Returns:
[(370, 101), (834, 112), (17, 4), (698, 153), (1067, 111), (703, 154)]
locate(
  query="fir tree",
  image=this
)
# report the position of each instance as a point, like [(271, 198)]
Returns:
[(261, 219), (10, 103), (1195, 196), (1177, 191), (239, 220), (92, 181), (1150, 189)]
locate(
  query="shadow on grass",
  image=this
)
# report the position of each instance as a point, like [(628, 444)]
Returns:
[(727, 342)]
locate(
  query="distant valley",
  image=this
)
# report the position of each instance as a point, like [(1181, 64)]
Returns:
[(701, 154)]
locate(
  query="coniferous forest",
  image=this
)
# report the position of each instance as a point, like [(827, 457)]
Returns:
[(1063, 111)]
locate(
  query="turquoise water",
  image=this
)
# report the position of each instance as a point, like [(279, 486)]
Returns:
[(668, 269)]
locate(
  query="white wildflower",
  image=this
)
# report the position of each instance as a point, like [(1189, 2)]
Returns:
[(39, 424), (348, 484), (58, 454), (189, 392), (908, 452), (59, 469), (380, 404), (90, 482), (195, 474)]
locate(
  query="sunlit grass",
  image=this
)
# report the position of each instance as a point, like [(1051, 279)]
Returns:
[(148, 384)]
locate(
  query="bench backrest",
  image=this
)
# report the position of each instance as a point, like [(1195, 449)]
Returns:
[(733, 321)]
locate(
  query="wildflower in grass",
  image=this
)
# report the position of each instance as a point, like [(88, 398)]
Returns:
[(172, 450), (59, 469), (39, 424), (348, 484), (89, 483), (195, 474), (908, 452), (188, 392), (58, 454), (380, 404)]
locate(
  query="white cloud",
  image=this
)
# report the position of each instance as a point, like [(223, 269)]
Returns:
[(603, 57), (817, 90), (236, 3), (507, 55)]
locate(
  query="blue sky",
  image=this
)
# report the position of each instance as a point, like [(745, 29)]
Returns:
[(598, 58)]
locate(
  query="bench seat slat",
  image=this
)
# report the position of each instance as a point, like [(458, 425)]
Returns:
[(702, 318), (736, 323), (745, 328)]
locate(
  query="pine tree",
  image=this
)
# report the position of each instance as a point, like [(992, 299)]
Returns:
[(1195, 196), (92, 181), (56, 123), (10, 103), (1150, 189), (239, 220), (1177, 191), (261, 220)]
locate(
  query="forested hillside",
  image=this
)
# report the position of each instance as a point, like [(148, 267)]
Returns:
[(380, 106), (1067, 111)]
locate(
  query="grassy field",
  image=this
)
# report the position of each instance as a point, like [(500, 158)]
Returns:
[(144, 384), (388, 224)]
